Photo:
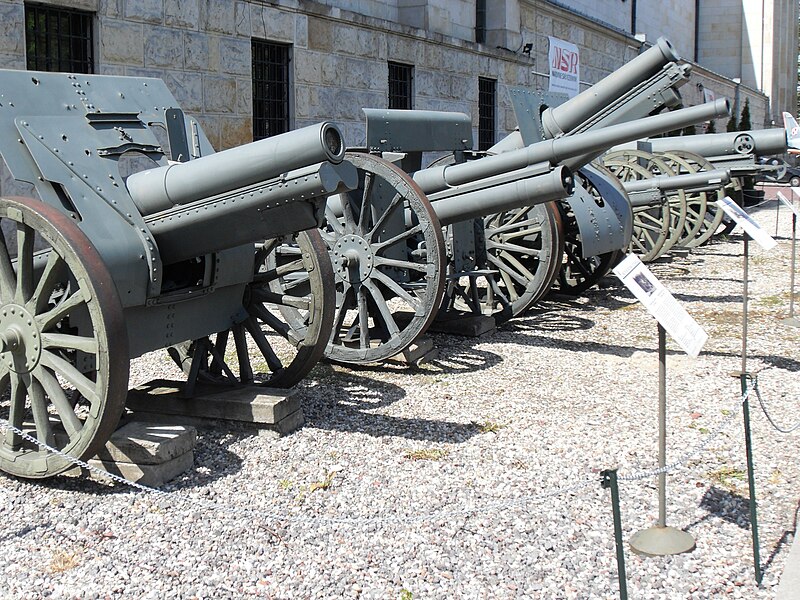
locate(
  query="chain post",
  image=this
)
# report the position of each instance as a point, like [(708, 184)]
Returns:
[(751, 483), (609, 481)]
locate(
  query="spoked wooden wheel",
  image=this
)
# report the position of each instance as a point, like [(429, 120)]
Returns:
[(703, 216), (388, 256), (64, 359), (289, 309), (658, 227), (526, 247)]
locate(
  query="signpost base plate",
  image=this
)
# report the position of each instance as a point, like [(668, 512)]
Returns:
[(661, 541)]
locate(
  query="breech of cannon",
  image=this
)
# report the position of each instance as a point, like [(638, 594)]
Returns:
[(572, 151), (457, 205), (563, 118), (762, 142), (276, 207), (159, 189)]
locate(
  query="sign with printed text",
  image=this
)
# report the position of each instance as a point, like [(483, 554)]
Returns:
[(661, 304), (751, 228), (565, 69), (791, 205)]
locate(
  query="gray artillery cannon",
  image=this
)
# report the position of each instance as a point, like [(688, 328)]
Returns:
[(639, 88), (141, 238), (386, 239)]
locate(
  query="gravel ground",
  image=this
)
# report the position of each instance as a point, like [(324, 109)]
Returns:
[(475, 476)]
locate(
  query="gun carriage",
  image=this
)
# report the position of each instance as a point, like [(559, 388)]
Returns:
[(392, 263), (140, 238)]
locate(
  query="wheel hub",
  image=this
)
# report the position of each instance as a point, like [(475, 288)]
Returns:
[(353, 258), (20, 339)]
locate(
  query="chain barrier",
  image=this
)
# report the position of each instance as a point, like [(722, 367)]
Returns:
[(792, 429), (434, 516)]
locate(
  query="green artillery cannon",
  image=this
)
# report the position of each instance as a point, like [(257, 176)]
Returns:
[(391, 261), (140, 237)]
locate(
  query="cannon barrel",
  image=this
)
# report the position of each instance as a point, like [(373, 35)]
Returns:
[(159, 189), (563, 118), (762, 142), (561, 150), (553, 184), (268, 209), (688, 182)]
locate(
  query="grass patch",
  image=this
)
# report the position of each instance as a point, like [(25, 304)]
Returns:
[(426, 454), (728, 477), (64, 560), (489, 426)]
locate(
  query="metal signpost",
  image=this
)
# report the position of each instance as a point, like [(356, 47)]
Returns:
[(791, 320)]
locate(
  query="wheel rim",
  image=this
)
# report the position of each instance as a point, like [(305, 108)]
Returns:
[(289, 309), (64, 365), (388, 253)]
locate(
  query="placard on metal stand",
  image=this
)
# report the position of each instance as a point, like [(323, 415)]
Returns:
[(661, 540), (791, 320), (751, 229)]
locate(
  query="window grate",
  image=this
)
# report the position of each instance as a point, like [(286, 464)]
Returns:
[(401, 92), (487, 109), (58, 39), (270, 88)]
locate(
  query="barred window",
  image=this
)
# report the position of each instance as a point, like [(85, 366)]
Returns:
[(58, 39), (480, 21), (270, 88), (487, 109), (401, 86)]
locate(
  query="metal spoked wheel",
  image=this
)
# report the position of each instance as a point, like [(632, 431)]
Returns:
[(655, 228), (578, 273), (64, 360), (526, 247), (290, 308), (703, 216), (388, 256)]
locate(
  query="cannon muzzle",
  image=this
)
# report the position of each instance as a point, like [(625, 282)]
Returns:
[(159, 189), (564, 118), (573, 151), (761, 142)]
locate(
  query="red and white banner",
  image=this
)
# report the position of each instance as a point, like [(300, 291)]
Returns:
[(565, 68)]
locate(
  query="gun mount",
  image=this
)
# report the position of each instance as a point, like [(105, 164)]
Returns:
[(123, 252)]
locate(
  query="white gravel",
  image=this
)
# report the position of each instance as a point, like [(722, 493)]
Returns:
[(499, 425)]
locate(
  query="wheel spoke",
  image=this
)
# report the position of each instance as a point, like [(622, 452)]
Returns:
[(47, 282), (395, 202), (366, 203), (8, 280), (263, 295), (400, 264), (86, 387), (25, 237), (273, 362), (41, 418), (398, 290), (50, 318), (242, 354), (70, 342), (333, 221), (72, 424), (16, 410), (363, 317), (377, 247), (383, 308)]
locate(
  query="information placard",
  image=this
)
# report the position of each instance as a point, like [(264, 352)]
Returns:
[(783, 199), (747, 223), (661, 304)]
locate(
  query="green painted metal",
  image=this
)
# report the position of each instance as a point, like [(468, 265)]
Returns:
[(609, 482)]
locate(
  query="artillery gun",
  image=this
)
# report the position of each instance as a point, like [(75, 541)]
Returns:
[(639, 88), (111, 260), (385, 237)]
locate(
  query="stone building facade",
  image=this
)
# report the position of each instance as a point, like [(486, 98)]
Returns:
[(340, 52)]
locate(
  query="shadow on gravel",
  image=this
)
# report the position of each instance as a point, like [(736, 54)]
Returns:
[(786, 539), (722, 299), (347, 402), (725, 505)]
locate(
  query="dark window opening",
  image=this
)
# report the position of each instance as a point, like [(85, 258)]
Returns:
[(270, 89), (58, 39), (401, 81), (480, 21), (487, 109)]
